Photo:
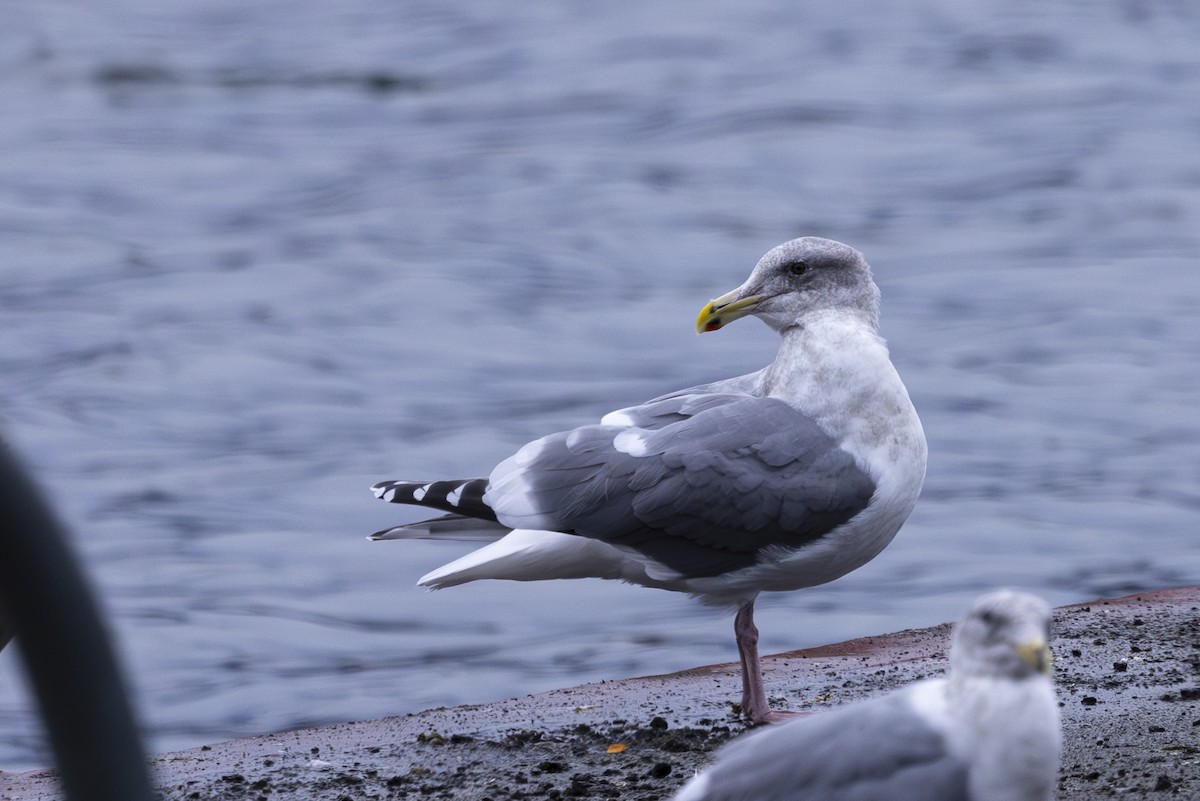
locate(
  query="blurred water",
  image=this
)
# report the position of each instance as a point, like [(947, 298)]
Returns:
[(254, 257)]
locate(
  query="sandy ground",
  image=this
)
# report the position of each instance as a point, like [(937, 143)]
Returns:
[(1128, 675)]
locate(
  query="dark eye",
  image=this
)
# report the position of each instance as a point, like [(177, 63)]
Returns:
[(797, 267)]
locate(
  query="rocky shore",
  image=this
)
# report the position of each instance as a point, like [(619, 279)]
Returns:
[(1127, 671)]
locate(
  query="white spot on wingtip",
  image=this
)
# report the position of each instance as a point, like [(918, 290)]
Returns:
[(419, 492), (454, 497)]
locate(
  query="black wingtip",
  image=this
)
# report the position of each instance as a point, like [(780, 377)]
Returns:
[(464, 496)]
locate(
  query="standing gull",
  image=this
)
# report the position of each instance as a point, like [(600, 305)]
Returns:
[(788, 477), (987, 732)]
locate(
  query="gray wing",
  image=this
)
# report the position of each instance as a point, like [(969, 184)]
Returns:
[(699, 482), (878, 750)]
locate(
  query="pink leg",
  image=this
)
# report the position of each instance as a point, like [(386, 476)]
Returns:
[(755, 707)]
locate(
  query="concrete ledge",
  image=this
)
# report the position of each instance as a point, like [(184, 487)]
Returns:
[(1127, 669)]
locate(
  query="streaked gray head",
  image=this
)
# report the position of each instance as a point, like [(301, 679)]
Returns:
[(795, 279), (1004, 635)]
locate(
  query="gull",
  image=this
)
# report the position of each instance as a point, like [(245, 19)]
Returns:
[(989, 731), (784, 478)]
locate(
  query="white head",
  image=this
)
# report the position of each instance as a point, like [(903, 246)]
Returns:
[(1004, 635), (795, 279)]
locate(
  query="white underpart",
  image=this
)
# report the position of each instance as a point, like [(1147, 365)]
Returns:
[(1004, 768), (837, 371), (978, 716)]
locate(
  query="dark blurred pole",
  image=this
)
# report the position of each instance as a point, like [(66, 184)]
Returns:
[(46, 605)]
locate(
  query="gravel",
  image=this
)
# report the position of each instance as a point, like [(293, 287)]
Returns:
[(1127, 671)]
